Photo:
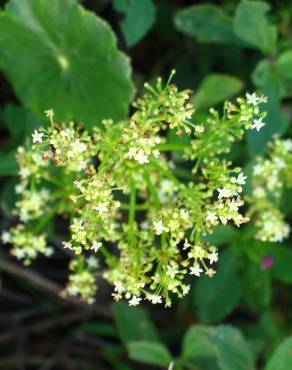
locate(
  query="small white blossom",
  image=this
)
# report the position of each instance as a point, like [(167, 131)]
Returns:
[(37, 137), (196, 270), (5, 237), (213, 257), (258, 124), (158, 227), (186, 244), (155, 299), (224, 193), (49, 113), (211, 217), (96, 246), (252, 99), (241, 179), (134, 301)]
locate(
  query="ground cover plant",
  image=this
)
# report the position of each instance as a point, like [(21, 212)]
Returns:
[(146, 161)]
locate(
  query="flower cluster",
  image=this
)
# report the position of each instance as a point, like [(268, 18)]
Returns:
[(126, 199), (26, 245), (270, 177)]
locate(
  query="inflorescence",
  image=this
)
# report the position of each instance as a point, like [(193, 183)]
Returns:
[(271, 176), (133, 218)]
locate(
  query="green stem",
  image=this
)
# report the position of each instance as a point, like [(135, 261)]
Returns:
[(171, 147), (132, 209), (46, 218), (138, 207), (166, 172), (152, 190)]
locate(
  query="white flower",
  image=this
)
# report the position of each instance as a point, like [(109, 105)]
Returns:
[(241, 179), (24, 172), (155, 299), (67, 245), (158, 227), (258, 124), (233, 206), (134, 301), (210, 272), (95, 246), (258, 169), (224, 193), (184, 214), (213, 257), (252, 99), (186, 244), (49, 113), (186, 289), (92, 262), (19, 188), (5, 237), (279, 162), (287, 145), (141, 157), (199, 129), (101, 208), (211, 217), (196, 270), (37, 137)]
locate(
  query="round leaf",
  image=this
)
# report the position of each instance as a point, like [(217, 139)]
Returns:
[(69, 60)]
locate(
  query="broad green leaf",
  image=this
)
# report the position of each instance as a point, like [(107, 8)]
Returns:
[(281, 254), (198, 349), (139, 18), (222, 234), (267, 78), (282, 357), (284, 64), (69, 61), (8, 196), (133, 323), (251, 25), (216, 297), (256, 286), (207, 23), (149, 353), (216, 88), (8, 164), (282, 267), (222, 347), (20, 122)]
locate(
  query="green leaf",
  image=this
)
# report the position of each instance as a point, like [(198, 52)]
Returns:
[(282, 267), (281, 254), (140, 16), (256, 284), (284, 64), (266, 77), (222, 347), (216, 88), (207, 23), (198, 349), (222, 234), (282, 357), (149, 353), (133, 323), (8, 196), (70, 64), (8, 164), (216, 297), (20, 122), (251, 25)]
